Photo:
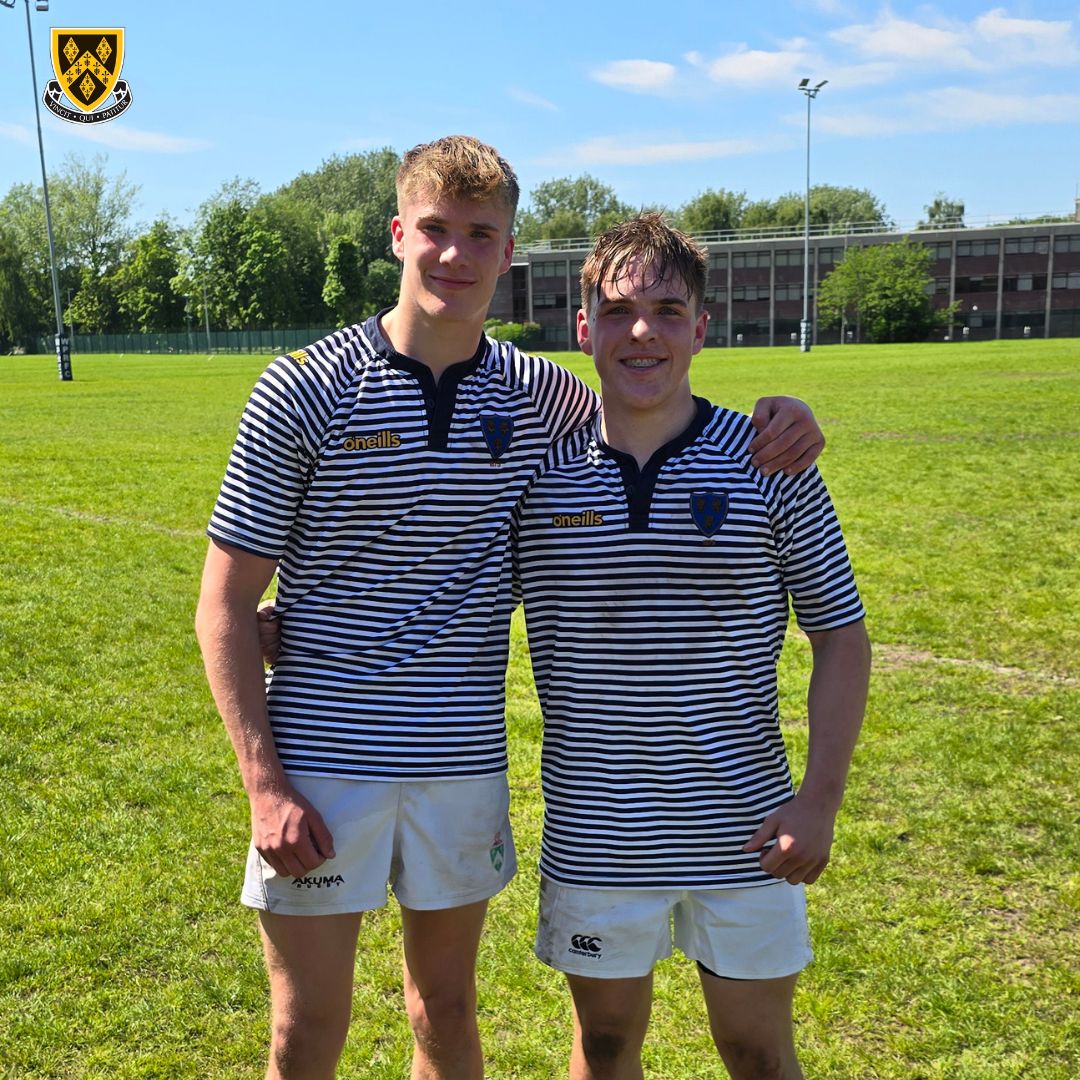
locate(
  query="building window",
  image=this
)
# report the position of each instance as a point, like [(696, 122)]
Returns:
[(718, 260), (549, 300), (1065, 244), (749, 259), (974, 248), (575, 269), (1025, 283), (716, 295), (744, 293), (1027, 245), (829, 256), (1071, 280), (541, 270), (941, 251), (983, 283), (789, 257), (789, 291)]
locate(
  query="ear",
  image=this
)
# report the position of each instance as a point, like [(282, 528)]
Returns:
[(508, 254), (699, 331), (583, 332), (397, 237)]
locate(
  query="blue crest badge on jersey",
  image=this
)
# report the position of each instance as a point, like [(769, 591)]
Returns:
[(498, 431), (709, 509)]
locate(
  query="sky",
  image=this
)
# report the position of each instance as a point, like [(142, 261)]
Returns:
[(659, 101)]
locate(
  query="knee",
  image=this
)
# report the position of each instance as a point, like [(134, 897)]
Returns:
[(748, 1060), (306, 1042), (603, 1047), (441, 1014)]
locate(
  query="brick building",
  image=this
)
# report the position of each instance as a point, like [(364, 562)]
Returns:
[(1011, 280)]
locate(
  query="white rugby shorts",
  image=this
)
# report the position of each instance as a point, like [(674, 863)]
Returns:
[(437, 844), (747, 933)]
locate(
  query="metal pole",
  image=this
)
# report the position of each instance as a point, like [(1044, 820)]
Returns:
[(805, 328), (206, 315), (63, 345)]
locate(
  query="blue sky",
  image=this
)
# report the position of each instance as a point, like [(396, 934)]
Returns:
[(660, 101)]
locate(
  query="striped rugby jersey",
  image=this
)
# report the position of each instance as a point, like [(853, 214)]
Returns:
[(388, 503), (657, 603)]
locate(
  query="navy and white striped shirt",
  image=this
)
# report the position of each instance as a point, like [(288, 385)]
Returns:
[(657, 602), (387, 501)]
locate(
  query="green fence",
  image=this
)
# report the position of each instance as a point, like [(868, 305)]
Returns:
[(267, 342)]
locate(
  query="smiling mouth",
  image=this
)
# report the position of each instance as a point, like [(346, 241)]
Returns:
[(641, 362), (452, 283)]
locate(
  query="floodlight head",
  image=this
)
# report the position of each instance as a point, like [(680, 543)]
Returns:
[(802, 85), (8, 3), (42, 5), (821, 84)]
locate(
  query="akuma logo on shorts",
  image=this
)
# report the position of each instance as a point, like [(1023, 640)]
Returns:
[(586, 945), (325, 882), (87, 64)]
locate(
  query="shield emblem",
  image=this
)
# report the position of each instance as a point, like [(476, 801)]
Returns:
[(498, 431), (87, 63), (709, 509)]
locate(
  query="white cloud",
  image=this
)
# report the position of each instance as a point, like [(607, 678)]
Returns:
[(616, 150), (16, 132), (950, 109), (1028, 40), (526, 97), (953, 106), (902, 39), (756, 67), (639, 76), (128, 138)]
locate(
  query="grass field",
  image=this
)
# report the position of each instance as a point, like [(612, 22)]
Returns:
[(946, 928)]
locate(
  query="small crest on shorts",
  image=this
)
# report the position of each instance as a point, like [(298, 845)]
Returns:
[(709, 510), (498, 431), (497, 851)]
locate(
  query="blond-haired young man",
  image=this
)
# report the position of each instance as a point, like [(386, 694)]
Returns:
[(377, 471), (656, 564)]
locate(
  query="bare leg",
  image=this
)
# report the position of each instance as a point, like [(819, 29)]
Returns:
[(611, 1017), (751, 1025), (440, 991), (310, 959)]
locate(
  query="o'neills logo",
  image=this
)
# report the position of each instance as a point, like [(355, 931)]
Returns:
[(87, 64), (383, 440), (573, 521)]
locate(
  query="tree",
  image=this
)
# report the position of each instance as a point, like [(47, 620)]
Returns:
[(343, 290), (145, 295), (20, 316), (881, 290), (831, 208), (943, 213), (717, 210), (580, 203), (381, 286)]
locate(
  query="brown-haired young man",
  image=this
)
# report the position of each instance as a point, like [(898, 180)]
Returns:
[(655, 563), (376, 472)]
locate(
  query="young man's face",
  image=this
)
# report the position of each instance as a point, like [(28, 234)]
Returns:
[(641, 338), (452, 253)]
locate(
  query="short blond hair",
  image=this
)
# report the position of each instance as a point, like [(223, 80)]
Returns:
[(457, 167), (647, 239)]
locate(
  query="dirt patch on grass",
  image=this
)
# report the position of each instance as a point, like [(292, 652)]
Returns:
[(896, 657)]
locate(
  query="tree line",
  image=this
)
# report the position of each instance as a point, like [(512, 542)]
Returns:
[(315, 252)]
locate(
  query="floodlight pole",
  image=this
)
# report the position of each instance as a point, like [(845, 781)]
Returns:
[(805, 329), (63, 344)]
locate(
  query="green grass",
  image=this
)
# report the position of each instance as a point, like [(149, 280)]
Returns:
[(945, 930)]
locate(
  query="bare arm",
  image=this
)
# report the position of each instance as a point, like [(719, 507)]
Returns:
[(788, 437), (803, 827), (286, 829)]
